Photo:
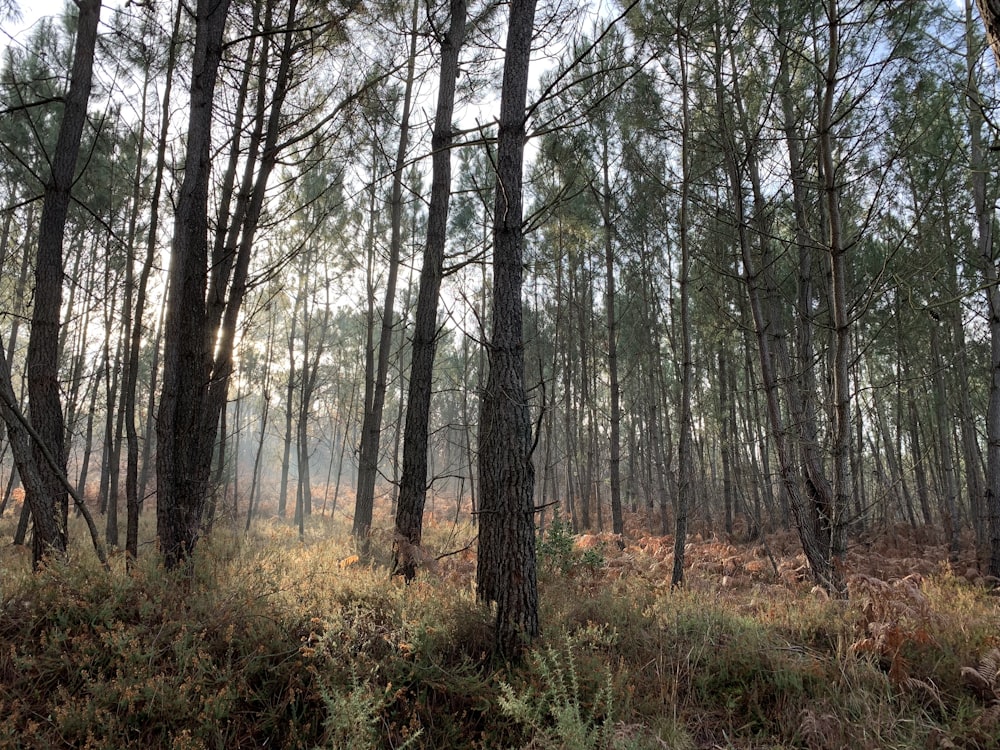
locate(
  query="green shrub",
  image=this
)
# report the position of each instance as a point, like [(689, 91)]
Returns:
[(355, 716), (558, 712), (557, 552)]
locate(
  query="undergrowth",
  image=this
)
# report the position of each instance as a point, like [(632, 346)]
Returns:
[(273, 642)]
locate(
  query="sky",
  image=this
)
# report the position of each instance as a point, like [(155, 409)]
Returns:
[(30, 11)]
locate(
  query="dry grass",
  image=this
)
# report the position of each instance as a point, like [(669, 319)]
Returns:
[(277, 642)]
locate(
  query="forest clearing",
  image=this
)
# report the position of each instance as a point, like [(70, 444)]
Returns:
[(273, 642)]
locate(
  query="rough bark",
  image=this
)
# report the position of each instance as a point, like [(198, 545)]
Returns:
[(617, 521), (371, 430), (816, 551), (801, 377), (413, 484), (836, 248), (222, 319), (133, 486), (990, 11), (182, 472), (506, 566), (44, 488), (205, 310), (685, 468), (25, 442)]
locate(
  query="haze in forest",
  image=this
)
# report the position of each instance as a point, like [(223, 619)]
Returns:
[(726, 269)]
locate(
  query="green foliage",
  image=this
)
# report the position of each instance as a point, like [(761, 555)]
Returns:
[(571, 697), (558, 712), (354, 715), (741, 666), (557, 551)]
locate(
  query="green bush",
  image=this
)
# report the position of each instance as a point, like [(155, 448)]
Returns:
[(557, 552), (558, 712)]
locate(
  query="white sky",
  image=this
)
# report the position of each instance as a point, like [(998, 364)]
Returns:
[(31, 11)]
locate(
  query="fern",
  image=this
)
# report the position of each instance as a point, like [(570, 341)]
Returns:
[(896, 616), (985, 679)]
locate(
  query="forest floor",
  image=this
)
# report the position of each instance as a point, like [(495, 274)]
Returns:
[(275, 642)]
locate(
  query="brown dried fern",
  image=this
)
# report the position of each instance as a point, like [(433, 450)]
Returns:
[(895, 614), (984, 679), (821, 731)]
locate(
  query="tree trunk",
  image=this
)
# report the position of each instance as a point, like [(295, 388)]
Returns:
[(286, 450), (843, 489), (983, 205), (817, 553), (949, 498), (506, 567), (146, 463), (88, 438), (617, 521), (264, 410), (371, 429), (182, 472), (343, 448), (727, 424), (413, 485), (569, 435), (585, 425), (895, 486), (685, 457), (230, 267), (310, 376), (470, 459), (198, 395), (112, 452), (990, 12), (801, 399), (44, 489)]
